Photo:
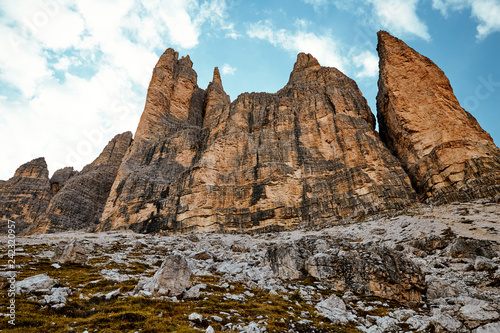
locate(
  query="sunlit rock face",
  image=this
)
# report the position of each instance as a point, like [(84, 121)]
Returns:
[(447, 155), (306, 154)]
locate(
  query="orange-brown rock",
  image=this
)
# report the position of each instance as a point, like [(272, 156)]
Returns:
[(447, 155), (78, 205), (26, 196), (306, 154)]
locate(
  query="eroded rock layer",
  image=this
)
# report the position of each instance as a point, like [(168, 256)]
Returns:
[(26, 196), (447, 155), (80, 201), (306, 154)]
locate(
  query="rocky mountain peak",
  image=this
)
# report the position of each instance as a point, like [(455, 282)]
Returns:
[(305, 61), (441, 146), (114, 150), (216, 78), (36, 168)]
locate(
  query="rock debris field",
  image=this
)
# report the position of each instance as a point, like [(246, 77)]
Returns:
[(426, 269)]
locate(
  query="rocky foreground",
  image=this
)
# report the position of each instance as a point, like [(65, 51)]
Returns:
[(428, 269)]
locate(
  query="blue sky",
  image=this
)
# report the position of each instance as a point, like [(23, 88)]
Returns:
[(75, 73)]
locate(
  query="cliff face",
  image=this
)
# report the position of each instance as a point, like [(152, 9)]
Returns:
[(447, 155), (26, 196), (307, 154), (80, 201)]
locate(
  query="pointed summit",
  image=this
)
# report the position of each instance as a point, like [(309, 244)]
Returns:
[(36, 168), (448, 156), (305, 61), (216, 78), (215, 100)]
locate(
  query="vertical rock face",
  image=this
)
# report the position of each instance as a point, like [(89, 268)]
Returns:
[(26, 196), (307, 154), (447, 155), (146, 190), (60, 177), (80, 202)]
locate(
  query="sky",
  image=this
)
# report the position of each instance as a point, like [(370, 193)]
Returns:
[(74, 73)]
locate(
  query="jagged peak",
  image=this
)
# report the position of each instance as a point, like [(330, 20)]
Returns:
[(216, 78), (36, 168), (305, 61)]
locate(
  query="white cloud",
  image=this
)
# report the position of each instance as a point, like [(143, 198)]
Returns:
[(323, 47), (400, 16), (487, 12), (367, 62), (105, 50), (228, 69)]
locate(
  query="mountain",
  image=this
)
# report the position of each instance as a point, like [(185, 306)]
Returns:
[(306, 155), (69, 200), (447, 155)]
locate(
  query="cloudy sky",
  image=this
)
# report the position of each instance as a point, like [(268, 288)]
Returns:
[(73, 73)]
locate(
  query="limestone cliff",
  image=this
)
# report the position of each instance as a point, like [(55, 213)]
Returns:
[(26, 196), (447, 155), (80, 201), (306, 154)]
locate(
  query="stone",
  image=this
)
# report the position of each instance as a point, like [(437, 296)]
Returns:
[(171, 279), (334, 309), (35, 283), (193, 292), (287, 261), (439, 288), (443, 322), (444, 150), (57, 297), (25, 196), (484, 264), (195, 317), (72, 252), (217, 319), (210, 329), (79, 203), (304, 155), (462, 247), (419, 322), (488, 328), (370, 270), (112, 294), (478, 310)]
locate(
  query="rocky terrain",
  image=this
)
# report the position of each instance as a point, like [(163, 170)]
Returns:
[(282, 212), (429, 269), (305, 155)]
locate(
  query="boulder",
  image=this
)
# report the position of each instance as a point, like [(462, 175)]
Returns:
[(37, 283), (287, 261), (171, 279), (335, 310), (72, 252)]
